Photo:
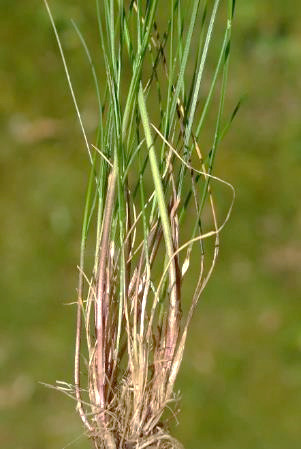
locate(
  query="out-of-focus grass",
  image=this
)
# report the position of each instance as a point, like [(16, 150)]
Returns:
[(241, 378)]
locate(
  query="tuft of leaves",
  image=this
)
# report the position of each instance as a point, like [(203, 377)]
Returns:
[(150, 197)]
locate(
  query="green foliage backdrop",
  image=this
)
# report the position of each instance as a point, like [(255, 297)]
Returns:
[(241, 377)]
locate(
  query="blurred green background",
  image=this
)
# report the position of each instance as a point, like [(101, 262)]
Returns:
[(241, 377)]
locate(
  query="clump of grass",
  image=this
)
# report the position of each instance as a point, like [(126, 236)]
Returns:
[(150, 198)]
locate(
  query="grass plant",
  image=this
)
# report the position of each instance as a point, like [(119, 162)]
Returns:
[(150, 207)]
